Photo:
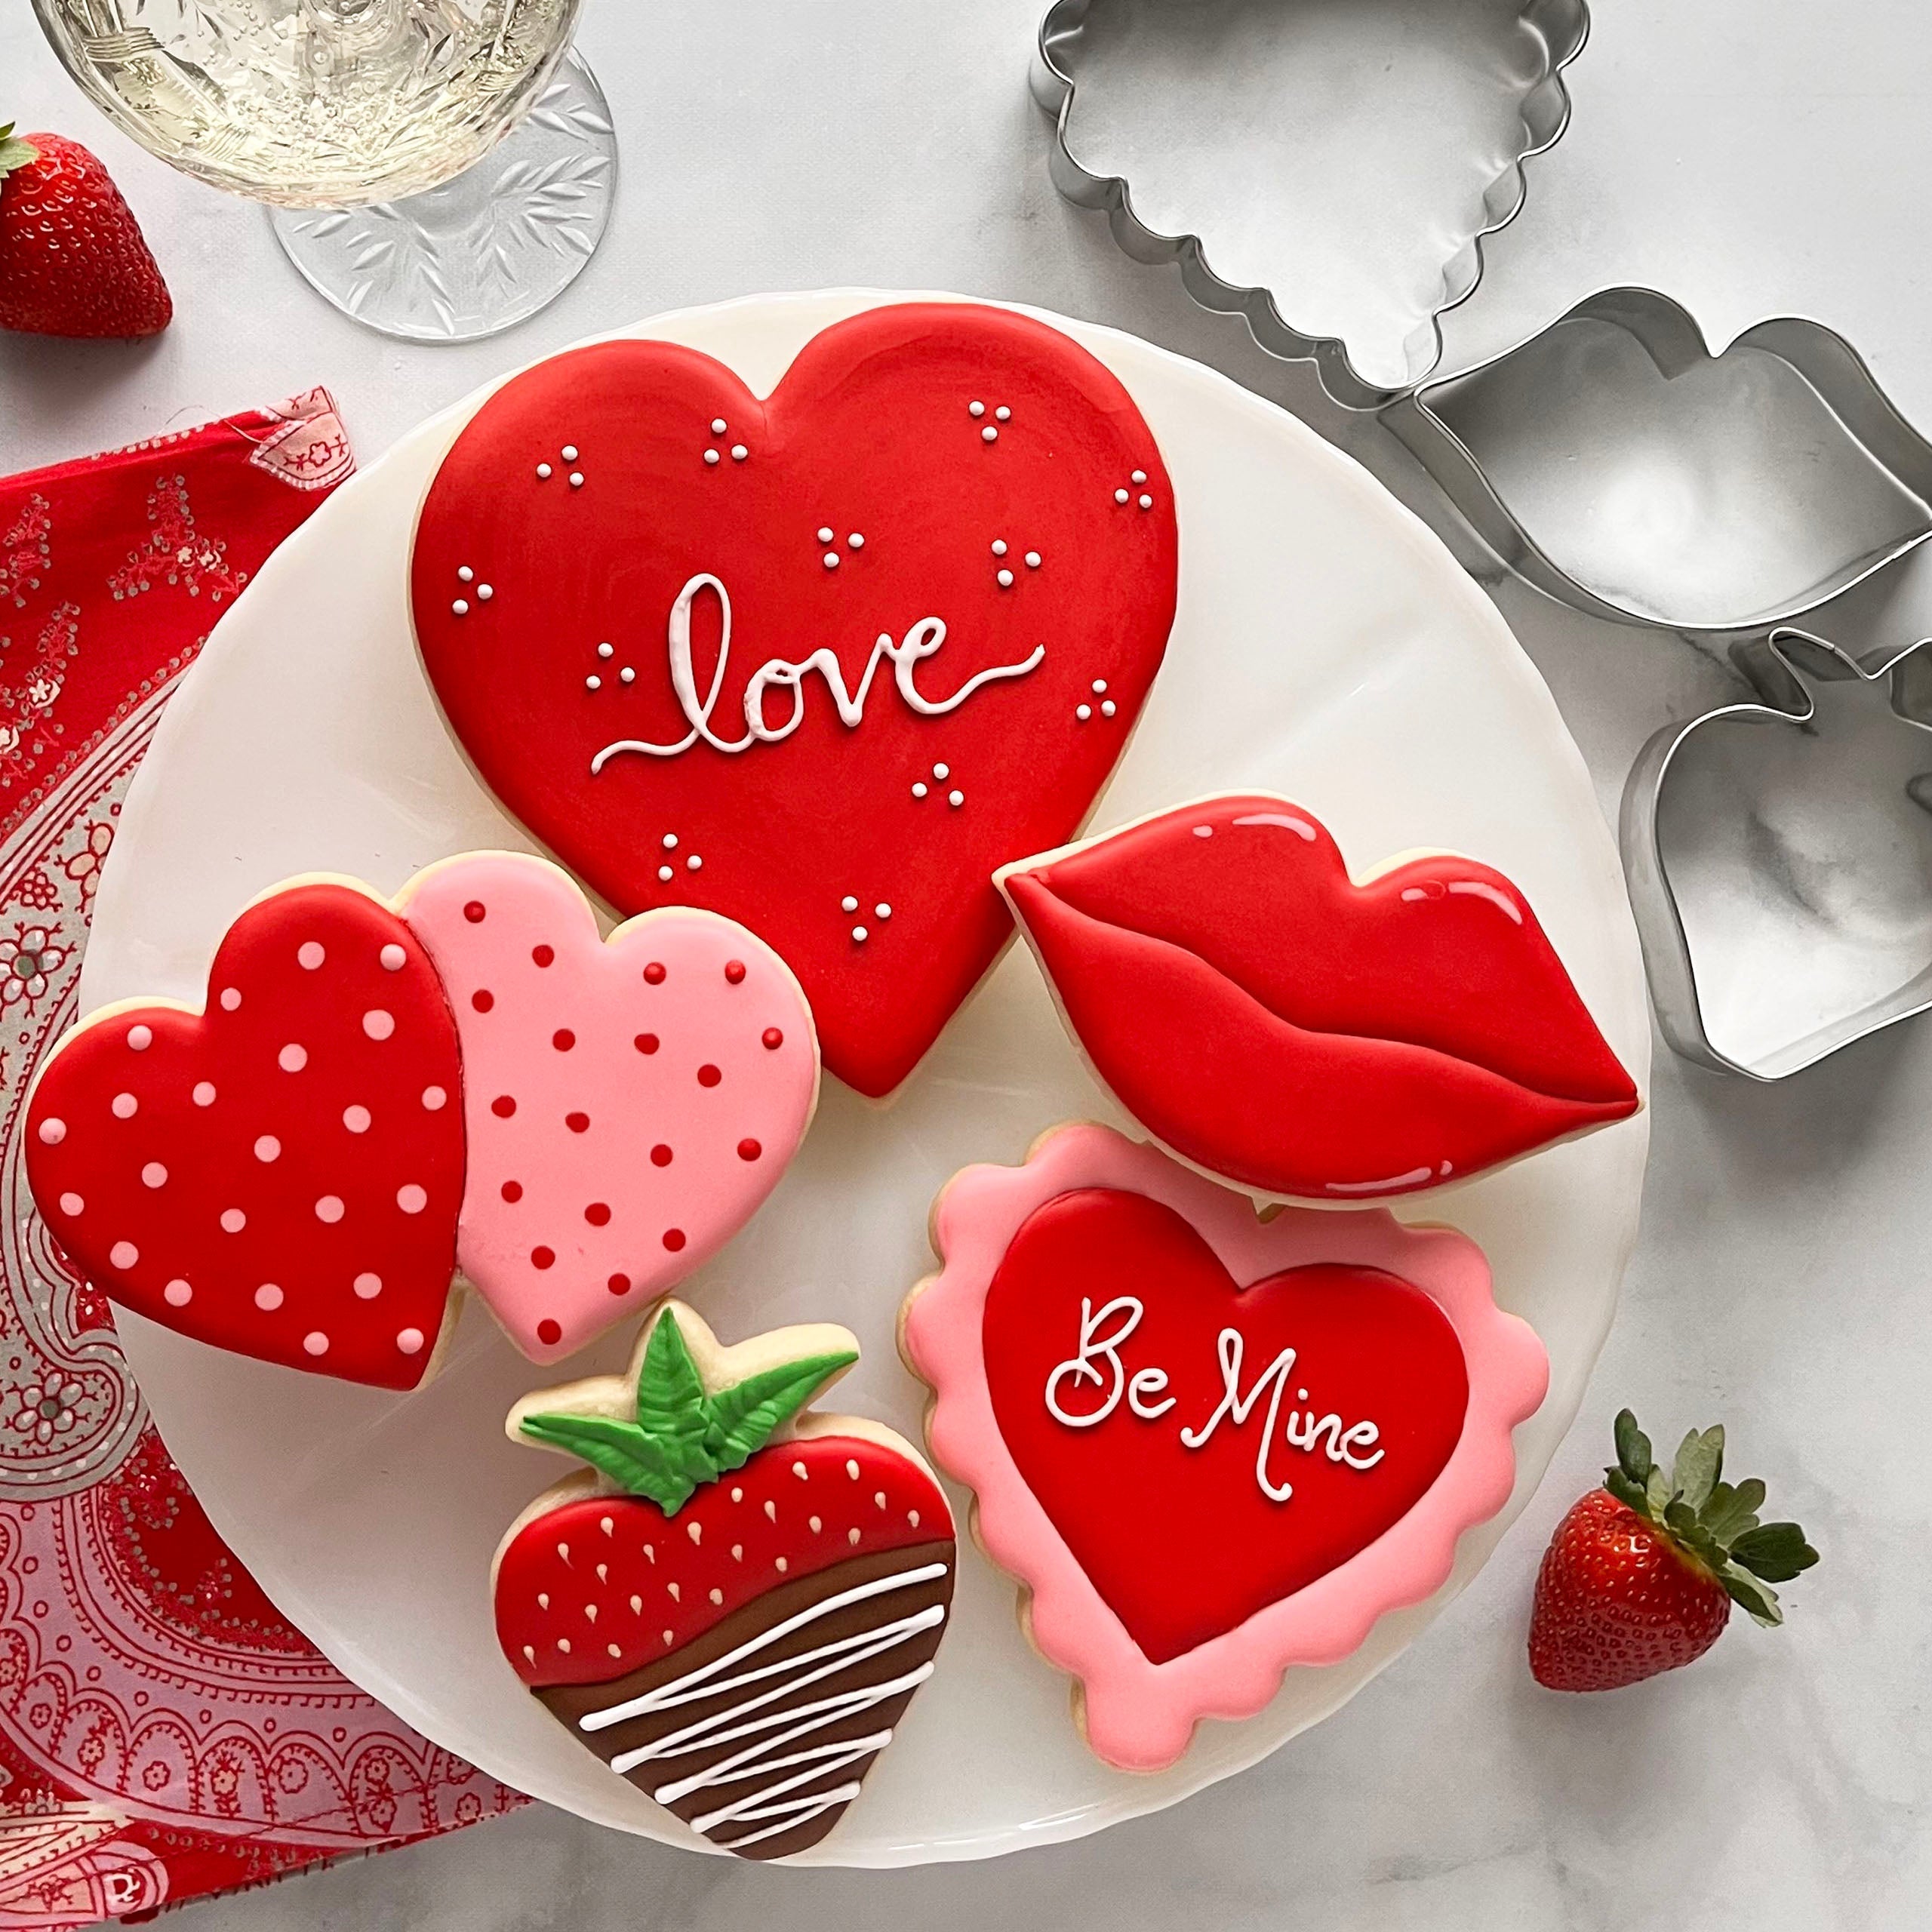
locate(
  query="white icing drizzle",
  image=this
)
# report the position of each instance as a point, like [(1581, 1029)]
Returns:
[(924, 638), (769, 1804)]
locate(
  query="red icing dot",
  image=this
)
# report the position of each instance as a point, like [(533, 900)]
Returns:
[(654, 974), (543, 955), (660, 1155), (563, 1039), (773, 1039), (707, 1075), (646, 1043), (542, 1257), (473, 912), (576, 1123), (482, 999), (512, 1190), (597, 1214), (549, 1333), (618, 1284), (734, 970), (749, 1150), (503, 1107), (674, 1238)]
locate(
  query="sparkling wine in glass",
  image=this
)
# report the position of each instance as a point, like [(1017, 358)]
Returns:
[(373, 127)]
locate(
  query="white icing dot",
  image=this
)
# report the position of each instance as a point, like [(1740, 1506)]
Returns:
[(941, 771), (848, 904), (1006, 579), (693, 864), (1139, 476), (1033, 560), (918, 791), (626, 675), (989, 434), (670, 842), (231, 998), (233, 1220), (1083, 711), (140, 1039), (568, 452), (1099, 686), (604, 650), (576, 479), (976, 409), (999, 547), (664, 875), (309, 954), (955, 797), (292, 1058), (268, 1147), (1146, 503), (859, 933), (543, 471), (177, 1294), (123, 1255), (1002, 414), (52, 1131), (124, 1105), (367, 1287), (71, 1205), (825, 533), (315, 1342), (739, 452), (461, 608), (881, 911), (204, 1094), (1120, 495), (464, 573), (711, 456), (393, 958), (593, 683), (717, 425), (410, 1340), (433, 1098), (268, 1297), (832, 560), (378, 1024), (855, 542), (356, 1119), (329, 1208), (1107, 709), (410, 1198)]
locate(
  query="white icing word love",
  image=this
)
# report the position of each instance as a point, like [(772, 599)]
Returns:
[(1098, 1360), (780, 674)]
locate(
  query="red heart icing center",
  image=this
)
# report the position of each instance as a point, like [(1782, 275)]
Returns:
[(820, 662), (281, 1175), (1156, 1408)]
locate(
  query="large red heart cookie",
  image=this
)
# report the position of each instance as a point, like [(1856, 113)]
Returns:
[(820, 662), (281, 1174), (1210, 1447), (1272, 1021)]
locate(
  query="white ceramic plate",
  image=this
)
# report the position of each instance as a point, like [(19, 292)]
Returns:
[(1327, 647)]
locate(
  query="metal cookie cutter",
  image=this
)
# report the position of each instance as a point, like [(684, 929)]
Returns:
[(1779, 858), (1385, 236), (1621, 468)]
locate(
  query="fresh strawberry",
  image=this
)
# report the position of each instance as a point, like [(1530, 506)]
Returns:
[(73, 260), (736, 1608), (1641, 1575)]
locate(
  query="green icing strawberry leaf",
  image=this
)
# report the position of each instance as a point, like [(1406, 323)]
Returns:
[(744, 1417)]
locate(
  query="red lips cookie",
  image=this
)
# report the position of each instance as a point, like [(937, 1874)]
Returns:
[(279, 1174), (1270, 1020), (821, 661)]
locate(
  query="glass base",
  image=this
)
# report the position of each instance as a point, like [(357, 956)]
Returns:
[(485, 251)]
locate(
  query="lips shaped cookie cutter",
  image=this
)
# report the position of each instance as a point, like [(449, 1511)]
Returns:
[(1555, 29), (1768, 947)]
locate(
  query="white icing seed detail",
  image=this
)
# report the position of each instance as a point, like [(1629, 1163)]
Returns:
[(737, 1552), (71, 1205), (1139, 476), (613, 1650), (593, 682), (697, 1532), (604, 649), (718, 1596), (832, 560), (717, 425), (409, 1341), (855, 541), (603, 1569), (711, 456), (999, 547), (367, 1287), (879, 1498), (737, 1494), (852, 1469), (177, 1294), (918, 791), (816, 1523), (411, 1199), (739, 452), (1033, 560), (1120, 495), (650, 1551), (459, 608), (52, 1131), (912, 1516), (543, 472), (267, 1148), (1107, 709), (568, 452), (268, 1297), (941, 771), (782, 1565), (1083, 711), (576, 479), (563, 1645), (123, 1254), (1099, 687), (955, 799), (664, 875), (590, 1613), (1006, 579), (976, 409), (1002, 414), (608, 1525), (315, 1342), (825, 533), (393, 958), (881, 911), (231, 998), (233, 1220), (292, 1058), (693, 864), (848, 904), (799, 1470), (378, 1024), (123, 1106), (464, 573), (355, 1118), (667, 1636), (860, 934), (204, 1094), (677, 1595), (989, 434), (483, 593), (852, 1536), (563, 1552), (770, 1512), (142, 1037), (637, 1606), (1146, 503), (626, 675), (670, 842), (329, 1209)]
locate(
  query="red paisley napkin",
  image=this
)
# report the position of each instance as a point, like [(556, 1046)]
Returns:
[(163, 1733)]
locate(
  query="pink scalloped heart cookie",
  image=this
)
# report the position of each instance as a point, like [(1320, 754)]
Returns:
[(1210, 1447), (629, 1101), (819, 660), (280, 1173)]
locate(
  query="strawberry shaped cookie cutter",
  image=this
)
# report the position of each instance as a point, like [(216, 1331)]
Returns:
[(734, 1604), (1779, 858), (1184, 66)]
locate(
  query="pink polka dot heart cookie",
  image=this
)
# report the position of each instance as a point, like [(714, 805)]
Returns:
[(279, 1174), (629, 1103)]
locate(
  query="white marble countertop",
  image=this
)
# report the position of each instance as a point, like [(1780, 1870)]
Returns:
[(1786, 1781)]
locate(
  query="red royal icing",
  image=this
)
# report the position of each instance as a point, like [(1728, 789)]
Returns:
[(1272, 1022), (280, 1175), (549, 1585), (862, 498), (1113, 1338)]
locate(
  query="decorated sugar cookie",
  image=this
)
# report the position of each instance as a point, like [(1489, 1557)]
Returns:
[(735, 1604), (278, 1173), (1208, 1446), (819, 661), (1274, 1023), (629, 1101)]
